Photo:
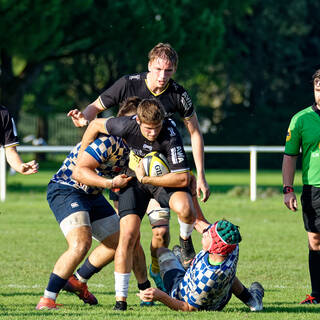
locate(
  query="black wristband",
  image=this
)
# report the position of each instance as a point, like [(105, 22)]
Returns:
[(287, 189)]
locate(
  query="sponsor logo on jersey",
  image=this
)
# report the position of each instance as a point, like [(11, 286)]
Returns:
[(74, 205), (177, 155), (186, 101), (147, 147), (172, 132), (134, 77), (14, 128), (288, 135)]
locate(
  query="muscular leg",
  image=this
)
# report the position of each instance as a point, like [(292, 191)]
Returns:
[(129, 226), (314, 263), (181, 202)]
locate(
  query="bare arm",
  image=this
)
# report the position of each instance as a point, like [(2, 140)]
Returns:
[(153, 294), (84, 172), (95, 127), (81, 119), (17, 164), (288, 172), (171, 180), (192, 125)]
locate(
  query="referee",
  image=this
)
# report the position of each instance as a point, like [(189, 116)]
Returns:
[(304, 133)]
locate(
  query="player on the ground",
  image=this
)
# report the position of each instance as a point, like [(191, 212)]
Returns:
[(147, 131), (82, 213), (9, 140), (211, 279)]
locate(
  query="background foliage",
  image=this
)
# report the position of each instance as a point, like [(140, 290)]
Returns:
[(247, 64)]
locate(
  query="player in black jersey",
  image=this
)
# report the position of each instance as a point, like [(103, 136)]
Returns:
[(9, 140), (147, 131), (156, 83)]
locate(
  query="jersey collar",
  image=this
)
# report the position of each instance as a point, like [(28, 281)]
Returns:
[(315, 109)]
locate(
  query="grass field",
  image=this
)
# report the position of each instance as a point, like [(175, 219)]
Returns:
[(273, 252)]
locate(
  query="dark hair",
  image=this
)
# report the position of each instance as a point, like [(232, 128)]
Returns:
[(316, 75), (129, 106)]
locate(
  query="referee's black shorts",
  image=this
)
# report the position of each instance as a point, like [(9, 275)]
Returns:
[(134, 199), (310, 201)]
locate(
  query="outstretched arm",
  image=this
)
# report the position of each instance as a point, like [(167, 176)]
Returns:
[(192, 125), (17, 164), (82, 118), (154, 294)]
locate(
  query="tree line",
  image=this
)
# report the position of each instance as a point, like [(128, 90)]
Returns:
[(246, 64)]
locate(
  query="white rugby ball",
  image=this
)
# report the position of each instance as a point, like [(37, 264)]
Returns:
[(155, 164)]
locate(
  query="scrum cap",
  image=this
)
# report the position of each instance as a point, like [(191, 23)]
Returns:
[(224, 237)]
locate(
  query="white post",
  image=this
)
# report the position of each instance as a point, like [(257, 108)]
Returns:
[(253, 173), (2, 175)]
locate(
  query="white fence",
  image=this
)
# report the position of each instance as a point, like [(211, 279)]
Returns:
[(253, 150)]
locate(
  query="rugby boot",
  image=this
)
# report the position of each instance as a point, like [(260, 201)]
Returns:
[(157, 279), (257, 294), (120, 306), (187, 252), (81, 290), (309, 300), (47, 304)]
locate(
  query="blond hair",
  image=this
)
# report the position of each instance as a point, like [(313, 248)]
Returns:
[(164, 51)]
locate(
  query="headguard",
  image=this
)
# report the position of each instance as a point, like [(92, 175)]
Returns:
[(224, 237)]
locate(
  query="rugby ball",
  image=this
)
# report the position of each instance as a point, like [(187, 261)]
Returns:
[(155, 164)]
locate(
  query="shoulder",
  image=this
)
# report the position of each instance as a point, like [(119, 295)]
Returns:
[(136, 77), (4, 111), (175, 86), (300, 116)]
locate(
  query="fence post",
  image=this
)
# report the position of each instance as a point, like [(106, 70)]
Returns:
[(253, 173), (2, 175)]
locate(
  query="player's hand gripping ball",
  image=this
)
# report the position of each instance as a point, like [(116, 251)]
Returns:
[(155, 164)]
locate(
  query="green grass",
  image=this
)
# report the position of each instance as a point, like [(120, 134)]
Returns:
[(273, 251)]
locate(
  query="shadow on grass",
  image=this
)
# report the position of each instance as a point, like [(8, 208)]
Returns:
[(225, 188)]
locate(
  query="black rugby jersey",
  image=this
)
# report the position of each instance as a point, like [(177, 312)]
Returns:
[(8, 132), (168, 142), (174, 97)]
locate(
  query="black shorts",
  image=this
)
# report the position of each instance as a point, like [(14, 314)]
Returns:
[(310, 201), (134, 199), (114, 196)]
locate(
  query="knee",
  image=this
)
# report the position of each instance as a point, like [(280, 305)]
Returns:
[(314, 241), (128, 240), (80, 248), (161, 236)]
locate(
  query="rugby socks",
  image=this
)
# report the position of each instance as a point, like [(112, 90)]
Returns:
[(54, 286), (185, 229), (155, 268), (314, 265), (86, 271), (244, 296), (121, 284)]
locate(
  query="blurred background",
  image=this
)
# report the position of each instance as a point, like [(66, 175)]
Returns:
[(246, 64)]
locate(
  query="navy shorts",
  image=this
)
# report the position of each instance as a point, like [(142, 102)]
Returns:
[(65, 200), (310, 202), (134, 199)]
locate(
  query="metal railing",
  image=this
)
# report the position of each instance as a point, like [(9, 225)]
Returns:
[(253, 150)]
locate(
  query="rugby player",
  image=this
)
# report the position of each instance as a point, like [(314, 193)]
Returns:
[(9, 140), (82, 213), (156, 83), (211, 279), (146, 132)]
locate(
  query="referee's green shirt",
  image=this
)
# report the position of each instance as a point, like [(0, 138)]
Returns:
[(304, 132)]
